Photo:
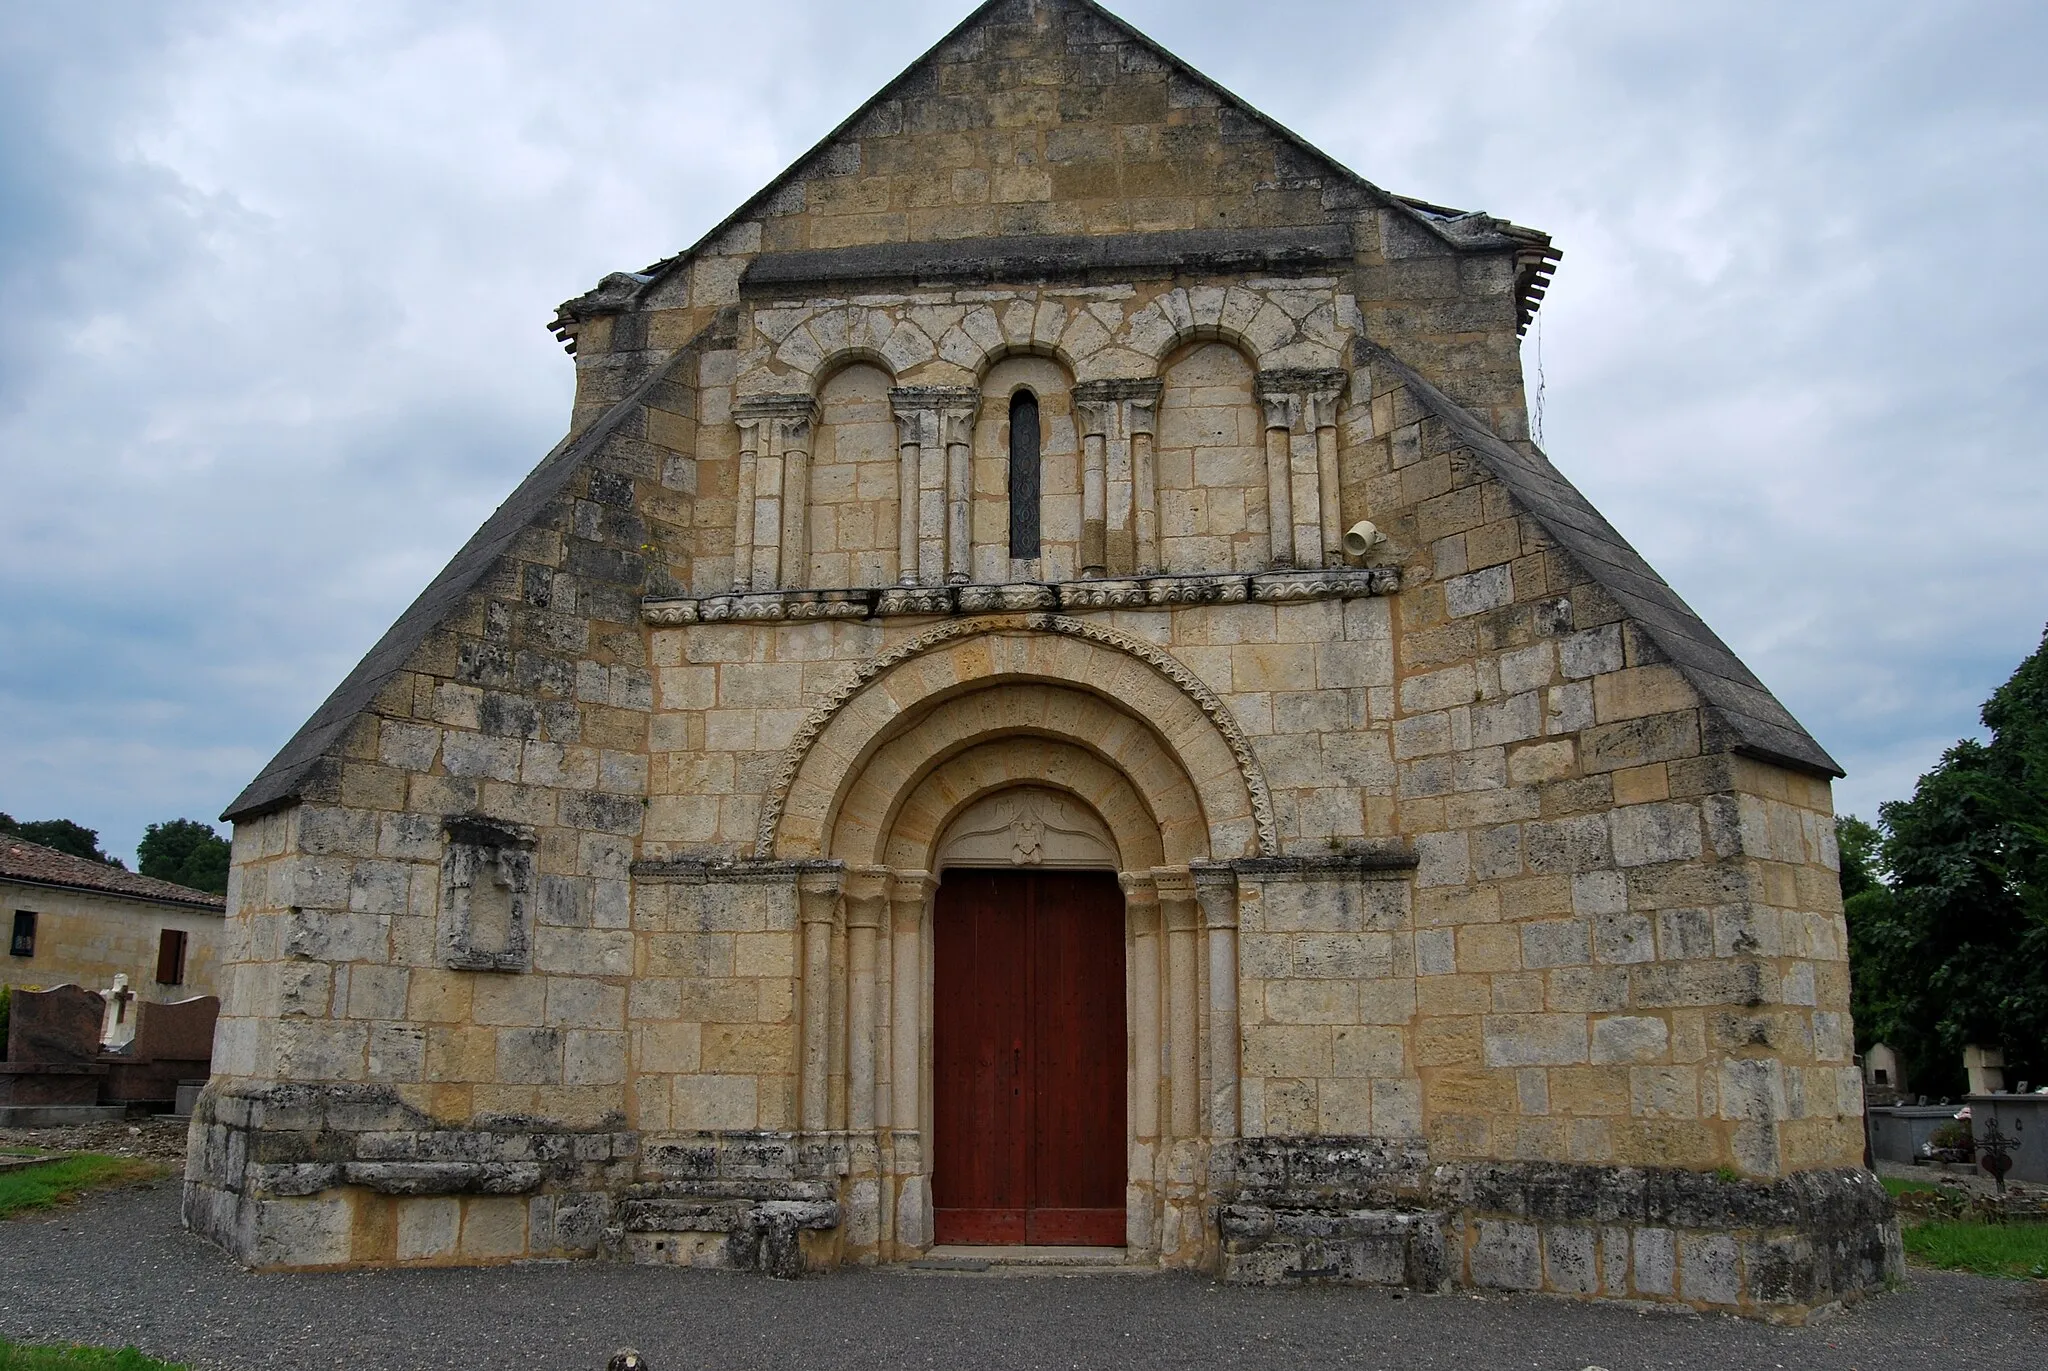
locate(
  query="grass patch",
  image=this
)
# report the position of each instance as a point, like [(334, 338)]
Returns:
[(17, 1357), (1893, 1185), (60, 1182), (2014, 1250)]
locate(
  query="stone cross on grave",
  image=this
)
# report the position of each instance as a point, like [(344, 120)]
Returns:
[(117, 1030)]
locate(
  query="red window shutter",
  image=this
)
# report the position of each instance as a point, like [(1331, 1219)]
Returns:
[(170, 957)]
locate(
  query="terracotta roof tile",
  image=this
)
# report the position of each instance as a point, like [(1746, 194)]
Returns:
[(26, 861)]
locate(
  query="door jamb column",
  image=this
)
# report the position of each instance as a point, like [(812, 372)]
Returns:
[(910, 895), (1216, 891), (818, 913)]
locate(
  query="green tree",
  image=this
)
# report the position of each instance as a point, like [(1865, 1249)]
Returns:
[(185, 852), (61, 834), (1862, 847), (1949, 938)]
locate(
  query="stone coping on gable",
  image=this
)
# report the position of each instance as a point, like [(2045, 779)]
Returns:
[(1130, 592)]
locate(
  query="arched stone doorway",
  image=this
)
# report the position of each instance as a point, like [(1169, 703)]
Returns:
[(1019, 751)]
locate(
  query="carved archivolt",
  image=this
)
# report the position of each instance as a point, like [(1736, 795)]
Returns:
[(1190, 685)]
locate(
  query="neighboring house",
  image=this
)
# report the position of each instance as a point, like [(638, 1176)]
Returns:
[(939, 756), (78, 922)]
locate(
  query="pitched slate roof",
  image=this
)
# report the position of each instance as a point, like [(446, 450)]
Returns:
[(1536, 257), (1742, 714), (38, 865)]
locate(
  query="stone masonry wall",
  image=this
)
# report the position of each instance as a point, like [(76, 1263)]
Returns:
[(1630, 949), (526, 709)]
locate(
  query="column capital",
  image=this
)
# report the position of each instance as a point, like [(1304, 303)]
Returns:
[(1308, 394), (1216, 891), (1142, 415), (867, 896), (1138, 886), (818, 896), (910, 887)]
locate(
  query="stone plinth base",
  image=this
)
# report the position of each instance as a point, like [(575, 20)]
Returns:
[(1372, 1212), (308, 1177)]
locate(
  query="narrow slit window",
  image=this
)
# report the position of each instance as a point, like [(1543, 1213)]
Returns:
[(1024, 469)]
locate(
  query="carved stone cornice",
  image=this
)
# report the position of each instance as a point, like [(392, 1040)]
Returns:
[(1134, 592)]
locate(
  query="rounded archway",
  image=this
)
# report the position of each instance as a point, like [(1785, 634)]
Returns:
[(1042, 674)]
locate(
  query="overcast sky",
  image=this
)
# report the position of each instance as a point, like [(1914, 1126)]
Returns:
[(274, 279)]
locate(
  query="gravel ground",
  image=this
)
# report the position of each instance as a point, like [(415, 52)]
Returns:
[(116, 1269)]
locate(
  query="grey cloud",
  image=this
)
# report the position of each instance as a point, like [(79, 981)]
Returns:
[(276, 297)]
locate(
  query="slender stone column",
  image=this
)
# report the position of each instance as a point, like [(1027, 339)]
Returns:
[(867, 913), (1322, 418), (1182, 920), (1144, 424), (935, 426), (778, 548), (909, 444), (1095, 420), (1301, 454), (907, 896), (909, 904), (794, 432), (1141, 911), (743, 507), (1216, 891), (1279, 408), (1119, 480), (817, 914), (956, 424)]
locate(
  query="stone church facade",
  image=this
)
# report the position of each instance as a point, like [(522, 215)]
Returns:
[(919, 763)]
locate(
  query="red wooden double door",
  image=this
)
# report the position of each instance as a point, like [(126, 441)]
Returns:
[(1028, 1058)]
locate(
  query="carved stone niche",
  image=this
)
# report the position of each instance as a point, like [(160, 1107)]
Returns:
[(1029, 827), (487, 887)]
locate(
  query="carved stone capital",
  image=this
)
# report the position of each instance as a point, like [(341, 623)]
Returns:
[(867, 896), (1216, 892), (787, 419), (817, 894), (1280, 410), (1307, 395), (1094, 418), (908, 891)]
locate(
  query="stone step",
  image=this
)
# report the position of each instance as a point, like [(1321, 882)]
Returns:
[(961, 1258)]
